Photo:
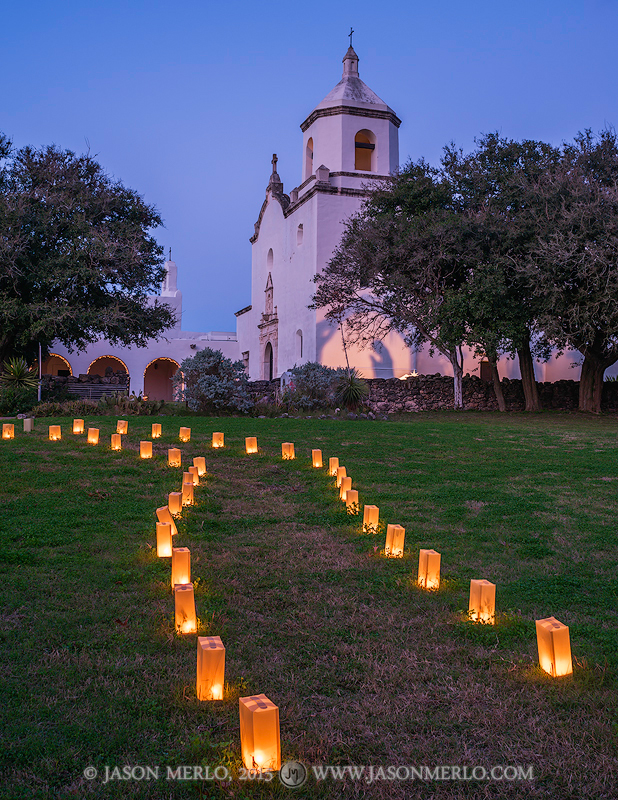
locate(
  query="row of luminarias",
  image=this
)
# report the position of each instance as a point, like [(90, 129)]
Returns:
[(552, 636), (553, 640), (259, 717)]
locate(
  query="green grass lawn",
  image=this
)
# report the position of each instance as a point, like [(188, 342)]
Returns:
[(366, 668)]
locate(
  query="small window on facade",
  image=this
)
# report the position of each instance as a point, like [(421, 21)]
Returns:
[(269, 258), (299, 235), (268, 296), (309, 159), (299, 344), (364, 147)]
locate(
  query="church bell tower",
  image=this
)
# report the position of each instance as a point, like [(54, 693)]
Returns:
[(352, 131)]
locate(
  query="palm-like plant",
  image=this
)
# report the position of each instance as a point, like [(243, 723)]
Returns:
[(351, 389), (19, 375)]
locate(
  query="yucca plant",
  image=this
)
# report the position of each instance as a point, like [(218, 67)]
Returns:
[(351, 390), (17, 374)]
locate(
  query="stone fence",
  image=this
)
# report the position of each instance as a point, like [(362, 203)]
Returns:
[(388, 396), (433, 392), (88, 386)]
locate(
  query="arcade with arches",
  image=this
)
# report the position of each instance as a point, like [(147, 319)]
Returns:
[(158, 379)]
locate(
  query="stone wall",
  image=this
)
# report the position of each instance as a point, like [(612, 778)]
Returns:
[(264, 389), (433, 392), (83, 385)]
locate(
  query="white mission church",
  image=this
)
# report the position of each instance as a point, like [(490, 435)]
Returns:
[(350, 138)]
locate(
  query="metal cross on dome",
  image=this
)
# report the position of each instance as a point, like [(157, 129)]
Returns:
[(350, 35), (274, 162)]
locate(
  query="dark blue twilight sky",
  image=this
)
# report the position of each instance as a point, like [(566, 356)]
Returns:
[(186, 102)]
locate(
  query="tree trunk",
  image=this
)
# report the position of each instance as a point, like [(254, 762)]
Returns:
[(456, 359), (528, 382), (591, 384), (597, 358), (495, 377)]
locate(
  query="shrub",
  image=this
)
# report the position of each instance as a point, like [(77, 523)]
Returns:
[(265, 407), (16, 399), (312, 386), (68, 408), (123, 404), (351, 390), (211, 383), (17, 373), (56, 393)]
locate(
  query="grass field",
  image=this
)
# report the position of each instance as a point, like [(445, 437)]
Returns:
[(366, 668)]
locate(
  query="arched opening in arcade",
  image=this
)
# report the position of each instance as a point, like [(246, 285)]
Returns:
[(158, 379), (56, 365), (104, 366)]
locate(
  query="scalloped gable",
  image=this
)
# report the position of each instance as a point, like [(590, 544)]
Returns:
[(284, 202)]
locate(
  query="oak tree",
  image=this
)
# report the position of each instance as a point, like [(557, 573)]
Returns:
[(573, 267), (398, 257), (498, 309), (77, 255)]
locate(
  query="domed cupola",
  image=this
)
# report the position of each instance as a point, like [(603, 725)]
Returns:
[(352, 130)]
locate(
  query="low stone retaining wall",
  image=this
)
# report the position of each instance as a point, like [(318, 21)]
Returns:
[(88, 386), (433, 392)]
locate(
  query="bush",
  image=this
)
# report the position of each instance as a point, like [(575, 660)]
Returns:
[(312, 386), (69, 408), (211, 383), (55, 393), (19, 375), (16, 399), (351, 390), (121, 404)]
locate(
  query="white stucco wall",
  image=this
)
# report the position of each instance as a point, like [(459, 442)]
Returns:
[(174, 344), (137, 359)]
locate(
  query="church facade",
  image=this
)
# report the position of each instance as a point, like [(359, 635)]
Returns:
[(349, 139)]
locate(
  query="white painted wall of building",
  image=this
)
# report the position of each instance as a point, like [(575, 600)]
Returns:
[(174, 344)]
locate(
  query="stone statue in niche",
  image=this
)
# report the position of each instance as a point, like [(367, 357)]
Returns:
[(268, 305)]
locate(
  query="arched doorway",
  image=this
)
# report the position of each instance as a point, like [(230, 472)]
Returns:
[(106, 365), (56, 365), (268, 362), (158, 379)]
